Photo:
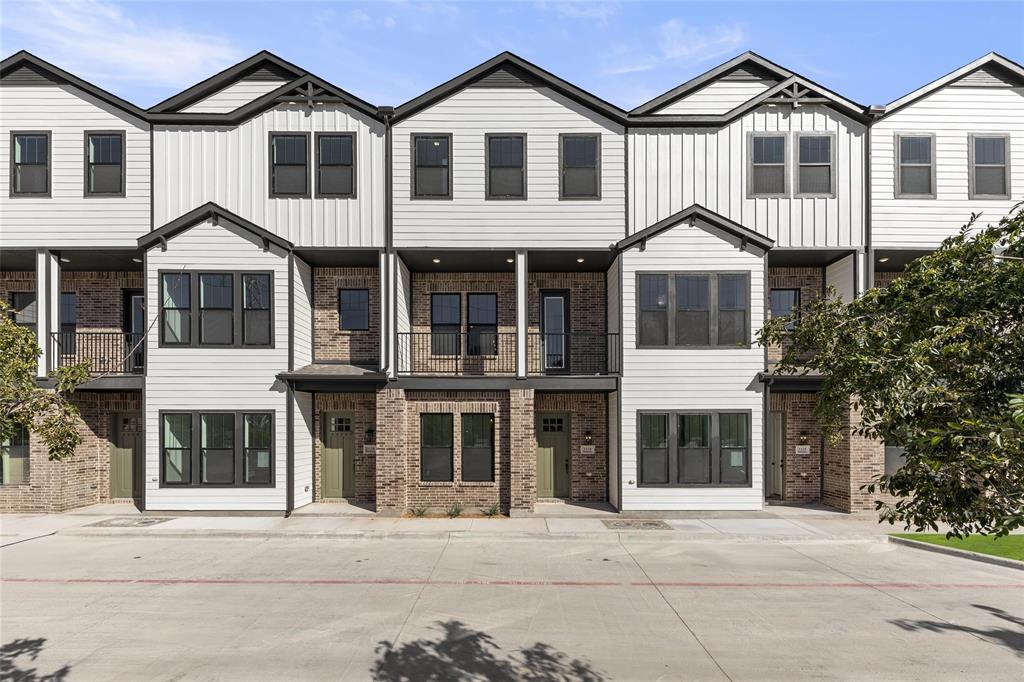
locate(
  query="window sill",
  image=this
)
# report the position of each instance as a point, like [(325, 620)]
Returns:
[(437, 484), (477, 484)]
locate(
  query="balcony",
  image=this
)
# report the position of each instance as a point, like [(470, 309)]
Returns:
[(108, 353), (484, 353)]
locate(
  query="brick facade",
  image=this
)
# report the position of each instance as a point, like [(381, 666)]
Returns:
[(332, 343), (522, 451), (849, 464), (363, 407), (809, 280), (588, 316), (801, 481), (391, 442), (884, 279), (588, 412), (83, 479)]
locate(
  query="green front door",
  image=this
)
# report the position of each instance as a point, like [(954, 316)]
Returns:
[(552, 455), (126, 447), (338, 463)]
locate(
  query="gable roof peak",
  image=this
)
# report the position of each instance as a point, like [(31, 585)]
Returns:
[(210, 211)]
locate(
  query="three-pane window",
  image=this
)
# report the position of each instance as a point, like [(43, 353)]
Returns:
[(336, 165), (227, 308), (354, 309), (432, 166), (580, 172), (289, 165), (477, 447), (436, 447), (916, 166), (707, 309), (30, 165), (482, 324), (990, 176), (814, 167), (104, 164), (506, 166), (694, 448), (226, 449), (445, 323), (767, 165)]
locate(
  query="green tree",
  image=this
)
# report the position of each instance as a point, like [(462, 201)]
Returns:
[(935, 363), (46, 413)]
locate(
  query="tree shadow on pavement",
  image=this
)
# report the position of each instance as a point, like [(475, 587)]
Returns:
[(1011, 638), (462, 653), (30, 649)]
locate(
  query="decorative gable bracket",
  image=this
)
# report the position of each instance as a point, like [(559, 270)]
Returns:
[(796, 94)]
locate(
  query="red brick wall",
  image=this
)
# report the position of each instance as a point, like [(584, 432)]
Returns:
[(84, 478), (884, 279), (808, 280), (853, 462), (801, 473), (391, 456), (100, 297), (522, 450), (587, 412), (363, 407), (332, 343), (587, 316)]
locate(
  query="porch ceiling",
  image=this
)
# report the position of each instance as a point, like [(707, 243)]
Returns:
[(102, 260)]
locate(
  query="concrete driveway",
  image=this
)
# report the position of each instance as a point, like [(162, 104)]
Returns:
[(269, 608)]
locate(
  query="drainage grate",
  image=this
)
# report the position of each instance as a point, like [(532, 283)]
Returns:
[(130, 522), (637, 524)]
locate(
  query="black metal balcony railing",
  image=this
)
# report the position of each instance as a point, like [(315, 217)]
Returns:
[(573, 353), (478, 353), (106, 352)]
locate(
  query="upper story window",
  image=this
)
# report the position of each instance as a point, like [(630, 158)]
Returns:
[(693, 309), (915, 173), (768, 165), (336, 154), (580, 166), (445, 323), (785, 302), (229, 309), (289, 165), (506, 166), (30, 164), (815, 166), (432, 169), (104, 163), (354, 309), (990, 168)]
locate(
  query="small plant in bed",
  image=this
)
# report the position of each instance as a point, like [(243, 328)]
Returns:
[(454, 511), (418, 512), (492, 511)]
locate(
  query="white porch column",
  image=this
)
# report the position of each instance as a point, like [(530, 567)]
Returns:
[(47, 306), (522, 320)]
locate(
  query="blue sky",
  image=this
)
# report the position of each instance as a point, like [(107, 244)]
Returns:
[(626, 52)]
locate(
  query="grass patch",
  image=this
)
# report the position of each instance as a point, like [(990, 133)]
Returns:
[(1008, 546)]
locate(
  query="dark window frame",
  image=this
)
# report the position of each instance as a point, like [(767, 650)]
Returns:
[(786, 183), (194, 468), (796, 305), (972, 165), (487, 168), (332, 195), (713, 309), (237, 309), (561, 167), (49, 165), (451, 448), (270, 164), (27, 456), (797, 165), (715, 448), (462, 447), (124, 165), (897, 155), (471, 325), (457, 332), (413, 137), (14, 309), (341, 318), (245, 309)]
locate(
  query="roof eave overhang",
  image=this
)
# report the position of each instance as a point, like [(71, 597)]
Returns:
[(209, 211), (698, 212)]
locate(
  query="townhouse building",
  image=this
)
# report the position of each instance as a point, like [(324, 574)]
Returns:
[(505, 291)]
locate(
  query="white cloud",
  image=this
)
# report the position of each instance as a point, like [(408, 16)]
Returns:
[(98, 40), (599, 12), (680, 41)]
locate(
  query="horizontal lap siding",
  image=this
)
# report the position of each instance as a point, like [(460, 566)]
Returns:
[(217, 379), (469, 220), (233, 96), (681, 379), (672, 168), (716, 98), (231, 167), (952, 115), (66, 218)]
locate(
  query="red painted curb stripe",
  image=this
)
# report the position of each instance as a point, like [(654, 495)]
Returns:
[(506, 583)]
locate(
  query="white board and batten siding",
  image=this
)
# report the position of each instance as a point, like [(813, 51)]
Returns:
[(672, 168), (952, 114), (690, 379), (233, 96), (195, 379), (231, 166), (542, 220), (715, 98), (67, 218)]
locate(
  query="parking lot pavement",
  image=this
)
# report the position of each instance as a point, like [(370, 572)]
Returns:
[(262, 608)]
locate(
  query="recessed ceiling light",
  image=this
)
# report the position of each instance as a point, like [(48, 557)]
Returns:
[(65, 260), (883, 259), (136, 260), (437, 260), (579, 260), (510, 260)]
